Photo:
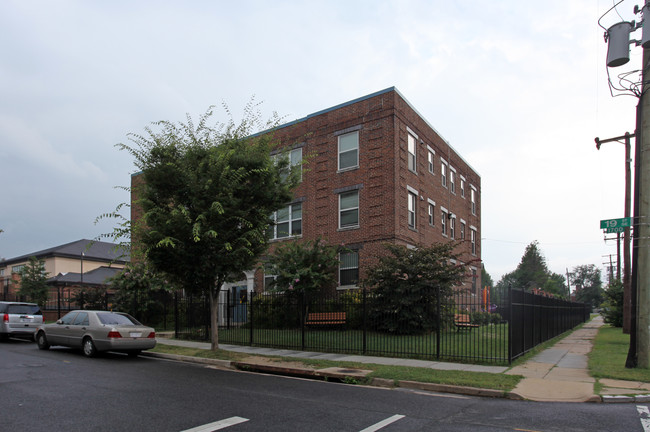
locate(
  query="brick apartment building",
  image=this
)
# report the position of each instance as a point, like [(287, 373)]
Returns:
[(377, 173)]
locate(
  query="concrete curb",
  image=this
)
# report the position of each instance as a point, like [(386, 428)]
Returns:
[(323, 375)]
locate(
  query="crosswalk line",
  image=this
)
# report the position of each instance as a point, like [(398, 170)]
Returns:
[(221, 424), (383, 423)]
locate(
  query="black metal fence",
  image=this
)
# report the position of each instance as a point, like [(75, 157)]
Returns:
[(461, 327)]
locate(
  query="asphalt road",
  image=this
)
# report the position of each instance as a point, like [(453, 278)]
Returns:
[(60, 390)]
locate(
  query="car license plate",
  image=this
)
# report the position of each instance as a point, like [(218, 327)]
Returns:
[(135, 334)]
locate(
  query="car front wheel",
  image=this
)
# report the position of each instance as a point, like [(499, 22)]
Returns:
[(41, 341), (88, 347)]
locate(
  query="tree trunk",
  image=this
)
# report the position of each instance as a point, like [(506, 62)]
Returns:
[(214, 316)]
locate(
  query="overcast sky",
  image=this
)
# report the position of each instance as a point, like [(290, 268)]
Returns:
[(519, 89)]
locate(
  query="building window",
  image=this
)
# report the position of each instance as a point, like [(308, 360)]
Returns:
[(17, 268), (295, 160), (452, 227), (473, 239), (432, 210), (430, 159), (443, 173), (412, 205), (462, 186), (462, 229), (473, 199), (349, 151), (349, 269), (452, 180), (349, 209), (286, 222), (412, 152), (443, 221)]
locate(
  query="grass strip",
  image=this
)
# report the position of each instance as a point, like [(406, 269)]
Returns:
[(396, 373), (608, 356)]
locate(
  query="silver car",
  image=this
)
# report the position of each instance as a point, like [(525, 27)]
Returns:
[(18, 319), (94, 331)]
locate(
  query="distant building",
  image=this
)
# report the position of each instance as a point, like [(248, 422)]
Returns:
[(377, 173), (69, 267)]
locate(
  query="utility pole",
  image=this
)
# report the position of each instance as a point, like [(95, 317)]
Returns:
[(627, 295), (641, 223)]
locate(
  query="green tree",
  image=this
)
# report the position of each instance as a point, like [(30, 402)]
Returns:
[(556, 284), (207, 197), (586, 279), (33, 278), (307, 267), (486, 279), (613, 305), (406, 283), (139, 291), (532, 271)]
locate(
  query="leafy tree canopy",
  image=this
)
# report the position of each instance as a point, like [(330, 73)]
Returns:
[(407, 282), (304, 266), (33, 280), (589, 286), (207, 197), (533, 272)]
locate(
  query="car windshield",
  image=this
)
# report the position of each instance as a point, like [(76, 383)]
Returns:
[(111, 318), (23, 309)]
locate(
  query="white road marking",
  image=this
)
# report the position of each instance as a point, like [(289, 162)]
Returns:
[(221, 424), (383, 423), (644, 413)]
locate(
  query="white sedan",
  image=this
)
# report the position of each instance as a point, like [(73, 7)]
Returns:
[(93, 331)]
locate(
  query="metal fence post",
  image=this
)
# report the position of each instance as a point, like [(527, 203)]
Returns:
[(510, 324), (364, 311), (438, 323), (176, 314), (251, 304)]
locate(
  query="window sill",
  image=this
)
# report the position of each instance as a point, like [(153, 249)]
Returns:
[(350, 228), (347, 169), (285, 238)]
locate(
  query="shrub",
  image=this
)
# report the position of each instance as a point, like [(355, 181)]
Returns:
[(612, 307)]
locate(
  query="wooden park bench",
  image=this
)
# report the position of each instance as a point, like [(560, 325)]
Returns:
[(325, 318), (463, 321)]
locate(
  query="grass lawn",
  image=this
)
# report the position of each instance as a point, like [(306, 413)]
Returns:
[(486, 344), (607, 359)]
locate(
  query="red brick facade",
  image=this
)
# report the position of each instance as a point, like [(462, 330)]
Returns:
[(383, 121)]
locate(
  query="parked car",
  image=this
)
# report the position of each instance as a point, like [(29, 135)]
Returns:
[(94, 331), (18, 319)]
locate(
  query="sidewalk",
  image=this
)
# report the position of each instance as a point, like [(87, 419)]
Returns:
[(557, 374)]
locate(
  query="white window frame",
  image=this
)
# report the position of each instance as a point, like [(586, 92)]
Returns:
[(473, 193), (452, 180), (463, 228), (443, 171), (431, 159), (462, 186), (444, 215), (473, 234), (341, 268), (412, 156), (452, 226), (412, 207), (432, 212), (339, 153), (349, 209), (273, 229)]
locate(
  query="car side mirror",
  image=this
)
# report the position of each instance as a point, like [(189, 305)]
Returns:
[(59, 322)]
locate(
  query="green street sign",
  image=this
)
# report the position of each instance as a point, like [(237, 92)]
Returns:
[(615, 224)]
